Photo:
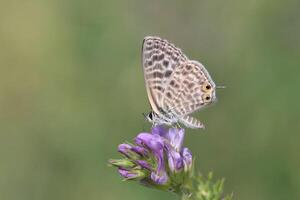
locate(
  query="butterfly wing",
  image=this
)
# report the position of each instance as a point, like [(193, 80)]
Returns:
[(160, 58), (189, 89)]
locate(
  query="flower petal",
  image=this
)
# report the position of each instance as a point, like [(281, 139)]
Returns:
[(160, 179), (187, 159), (133, 174), (152, 142), (124, 149), (140, 150), (159, 130), (155, 143), (175, 137), (126, 173), (144, 164), (175, 160)]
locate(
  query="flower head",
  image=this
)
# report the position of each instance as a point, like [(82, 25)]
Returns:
[(156, 158)]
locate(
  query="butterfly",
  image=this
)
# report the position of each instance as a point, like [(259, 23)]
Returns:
[(176, 86)]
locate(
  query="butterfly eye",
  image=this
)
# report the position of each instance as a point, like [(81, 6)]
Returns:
[(150, 115)]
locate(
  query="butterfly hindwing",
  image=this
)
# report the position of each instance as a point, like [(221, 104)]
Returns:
[(189, 89)]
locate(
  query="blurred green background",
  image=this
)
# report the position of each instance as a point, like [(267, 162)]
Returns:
[(72, 89)]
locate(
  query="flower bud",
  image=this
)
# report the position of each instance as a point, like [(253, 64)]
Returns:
[(140, 150), (126, 149), (175, 161), (187, 159), (132, 174), (124, 163), (144, 164)]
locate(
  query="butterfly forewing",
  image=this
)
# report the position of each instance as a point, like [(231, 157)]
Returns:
[(160, 59)]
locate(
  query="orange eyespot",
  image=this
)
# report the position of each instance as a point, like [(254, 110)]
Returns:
[(206, 98), (206, 87)]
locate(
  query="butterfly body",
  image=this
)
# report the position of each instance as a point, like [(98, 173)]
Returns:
[(157, 119), (176, 86)]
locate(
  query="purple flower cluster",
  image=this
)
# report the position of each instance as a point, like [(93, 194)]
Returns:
[(157, 158)]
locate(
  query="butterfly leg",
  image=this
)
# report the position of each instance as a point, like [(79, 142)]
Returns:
[(178, 125), (153, 125)]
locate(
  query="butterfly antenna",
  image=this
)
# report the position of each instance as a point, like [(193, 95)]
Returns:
[(220, 86)]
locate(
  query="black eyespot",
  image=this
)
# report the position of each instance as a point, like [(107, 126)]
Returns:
[(207, 98), (208, 87)]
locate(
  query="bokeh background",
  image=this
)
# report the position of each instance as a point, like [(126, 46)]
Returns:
[(72, 89)]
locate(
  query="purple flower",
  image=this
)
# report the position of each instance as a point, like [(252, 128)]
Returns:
[(124, 149), (173, 140), (156, 158), (175, 160), (155, 144), (131, 174), (187, 159), (175, 137), (133, 152), (140, 150), (126, 173), (159, 130), (160, 178), (151, 141), (144, 164)]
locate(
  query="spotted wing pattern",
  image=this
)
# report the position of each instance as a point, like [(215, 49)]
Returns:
[(189, 89), (160, 58)]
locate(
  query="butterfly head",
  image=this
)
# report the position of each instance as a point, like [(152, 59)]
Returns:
[(149, 116)]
